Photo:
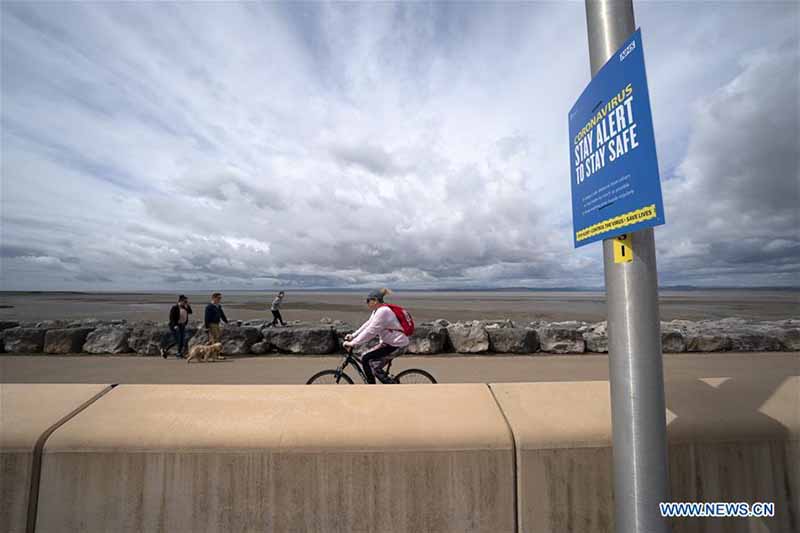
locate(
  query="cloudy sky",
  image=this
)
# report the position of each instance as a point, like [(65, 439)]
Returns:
[(197, 146)]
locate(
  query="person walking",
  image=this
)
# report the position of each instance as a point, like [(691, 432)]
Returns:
[(213, 315), (384, 324), (276, 310), (178, 319)]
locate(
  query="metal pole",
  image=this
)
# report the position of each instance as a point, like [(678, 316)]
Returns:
[(634, 336)]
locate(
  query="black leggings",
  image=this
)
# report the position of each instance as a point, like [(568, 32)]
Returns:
[(276, 315), (382, 351)]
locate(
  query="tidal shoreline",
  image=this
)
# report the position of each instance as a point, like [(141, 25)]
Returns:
[(310, 306)]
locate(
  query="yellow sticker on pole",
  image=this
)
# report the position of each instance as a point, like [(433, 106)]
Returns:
[(623, 253)]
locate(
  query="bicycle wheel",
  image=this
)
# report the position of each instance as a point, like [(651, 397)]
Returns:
[(328, 377), (414, 376)]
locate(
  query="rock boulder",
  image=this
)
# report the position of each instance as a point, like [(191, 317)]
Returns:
[(596, 337), (68, 340), (302, 340), (200, 337), (52, 324), (708, 341), (259, 323), (468, 337), (672, 341), (751, 339), (673, 336), (428, 340), (512, 340), (239, 340), (494, 324), (108, 339), (260, 348), (23, 340), (562, 337), (147, 338), (87, 323), (790, 339), (8, 324)]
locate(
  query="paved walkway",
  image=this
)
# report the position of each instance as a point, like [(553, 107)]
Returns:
[(762, 367)]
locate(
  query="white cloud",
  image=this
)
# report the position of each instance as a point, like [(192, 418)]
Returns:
[(339, 144)]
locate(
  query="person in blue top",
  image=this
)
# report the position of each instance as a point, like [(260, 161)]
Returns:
[(214, 314)]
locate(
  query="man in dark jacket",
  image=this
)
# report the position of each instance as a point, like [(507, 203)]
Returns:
[(214, 314), (178, 319)]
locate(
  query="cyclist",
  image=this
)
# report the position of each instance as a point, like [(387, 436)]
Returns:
[(382, 324)]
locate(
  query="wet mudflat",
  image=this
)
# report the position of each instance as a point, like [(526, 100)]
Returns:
[(522, 306)]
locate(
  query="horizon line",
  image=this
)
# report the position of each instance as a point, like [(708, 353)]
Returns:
[(410, 289)]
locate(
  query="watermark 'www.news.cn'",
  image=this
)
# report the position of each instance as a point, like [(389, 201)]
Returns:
[(716, 509)]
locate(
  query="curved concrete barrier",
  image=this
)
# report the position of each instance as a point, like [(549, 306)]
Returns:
[(282, 458), (729, 441), (27, 411)]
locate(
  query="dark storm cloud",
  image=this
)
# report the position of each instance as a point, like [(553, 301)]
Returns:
[(92, 278), (310, 280), (185, 279), (773, 253), (737, 194), (11, 250)]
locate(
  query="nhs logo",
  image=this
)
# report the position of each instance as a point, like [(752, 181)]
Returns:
[(628, 49)]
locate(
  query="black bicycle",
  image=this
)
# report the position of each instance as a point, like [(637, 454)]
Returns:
[(339, 377)]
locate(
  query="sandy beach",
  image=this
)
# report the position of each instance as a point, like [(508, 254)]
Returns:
[(522, 306)]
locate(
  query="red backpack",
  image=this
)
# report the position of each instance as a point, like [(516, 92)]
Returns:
[(404, 317)]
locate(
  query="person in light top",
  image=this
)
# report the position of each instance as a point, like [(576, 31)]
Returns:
[(276, 310), (382, 324)]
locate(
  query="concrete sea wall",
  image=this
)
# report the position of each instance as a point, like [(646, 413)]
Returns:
[(741, 447), (91, 336), (27, 413), (490, 458)]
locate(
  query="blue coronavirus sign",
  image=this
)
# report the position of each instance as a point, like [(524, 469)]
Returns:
[(615, 183)]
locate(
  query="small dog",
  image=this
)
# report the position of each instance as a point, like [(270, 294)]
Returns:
[(205, 352)]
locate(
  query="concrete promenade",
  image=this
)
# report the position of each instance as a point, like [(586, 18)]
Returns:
[(765, 367)]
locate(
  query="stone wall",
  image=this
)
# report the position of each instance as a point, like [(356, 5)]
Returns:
[(254, 337)]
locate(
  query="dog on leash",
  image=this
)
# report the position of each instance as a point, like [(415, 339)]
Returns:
[(205, 352)]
